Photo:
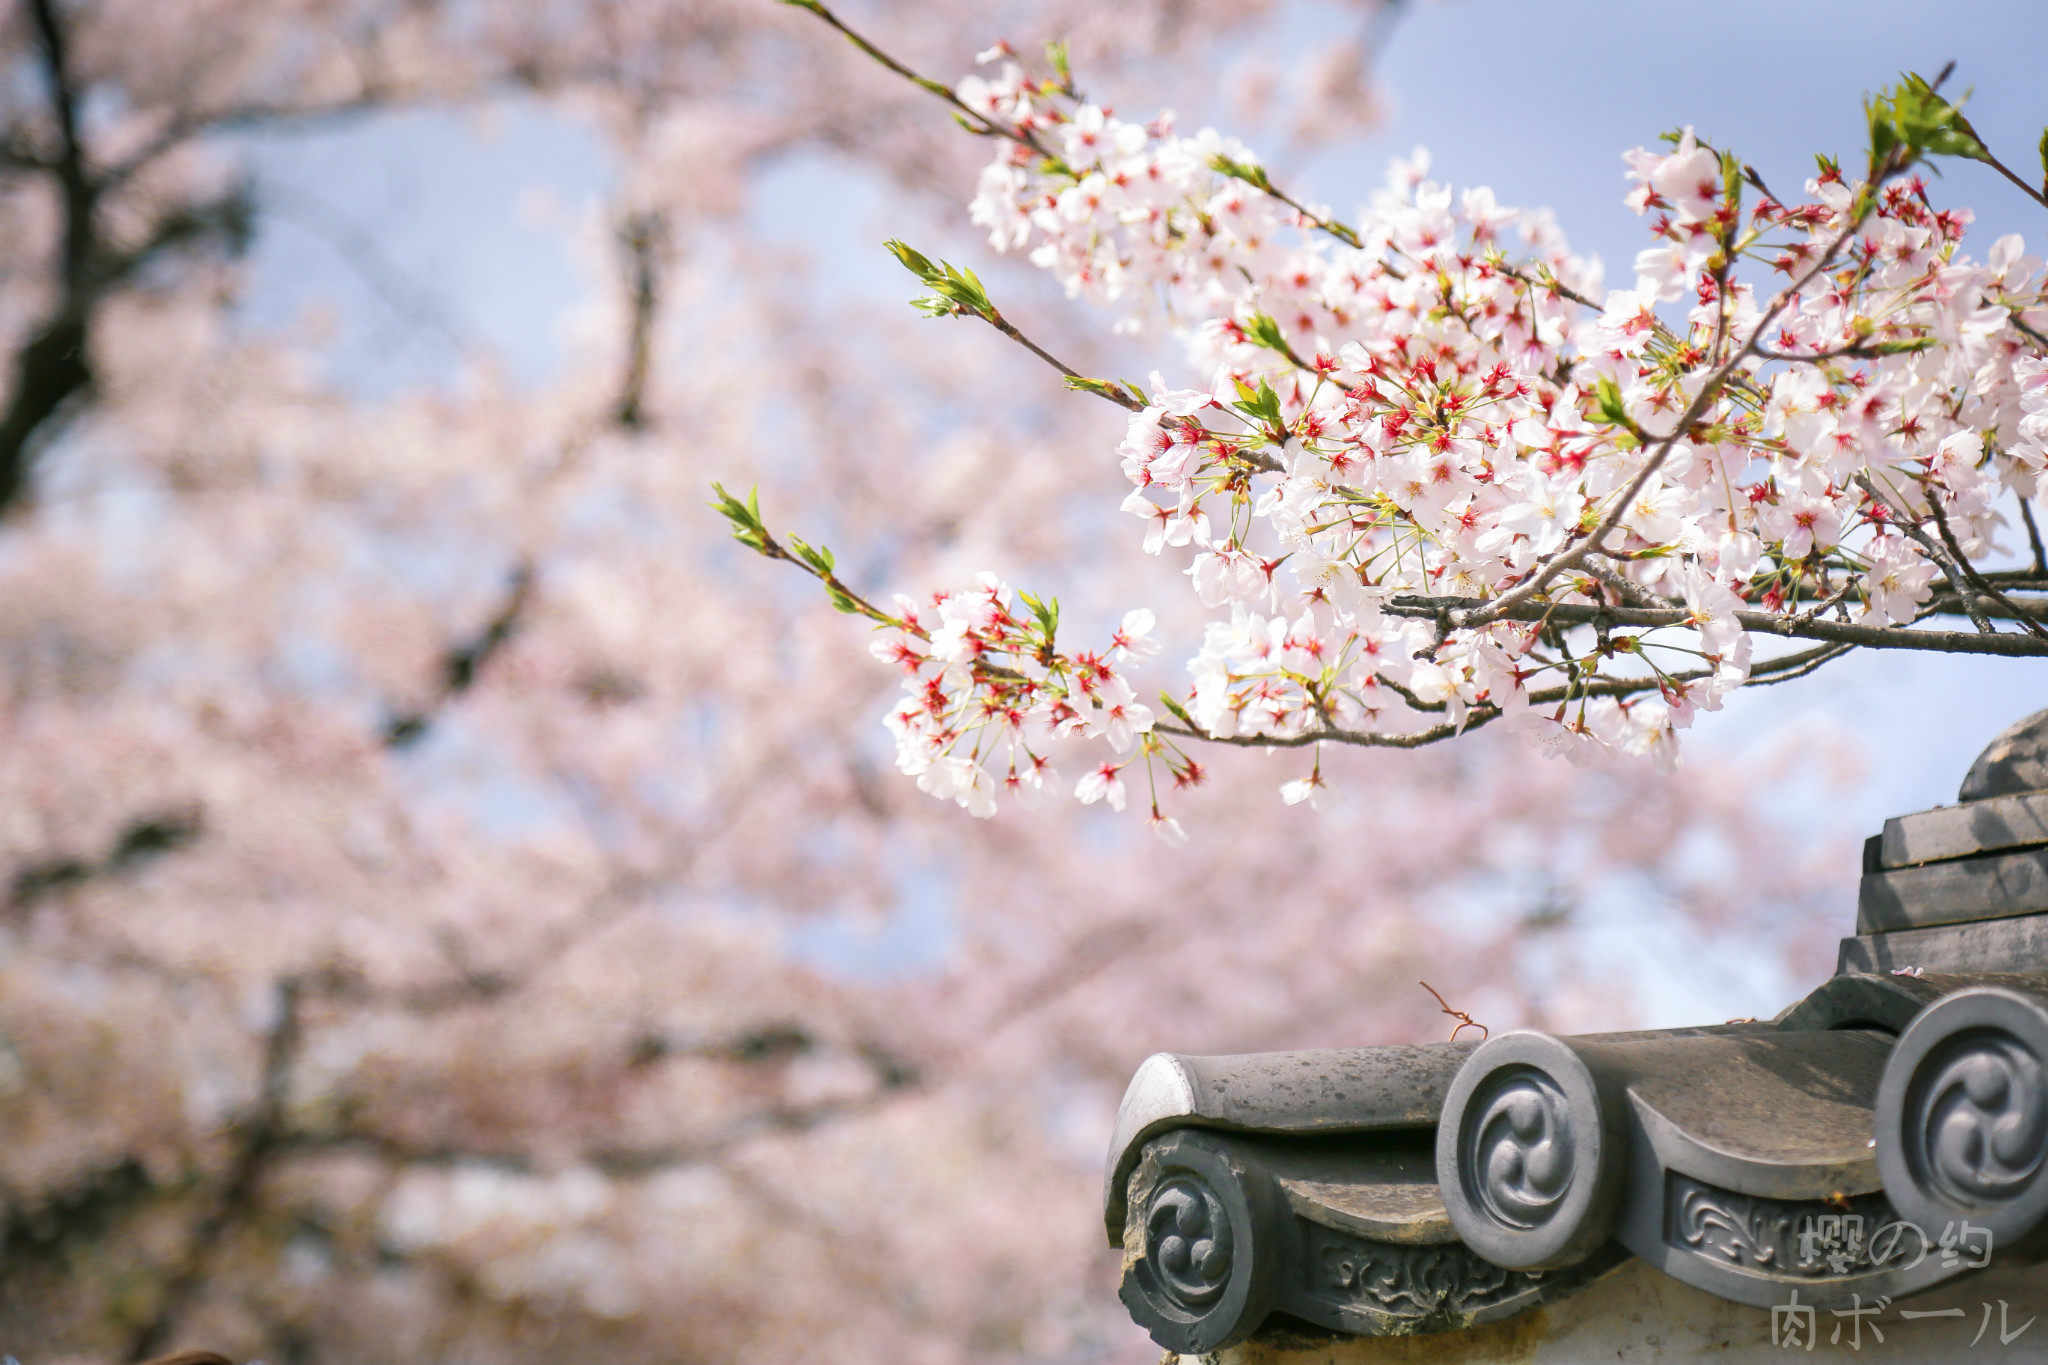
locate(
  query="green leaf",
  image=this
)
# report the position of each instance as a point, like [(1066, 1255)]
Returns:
[(1612, 410), (1086, 385), (1054, 166), (817, 556), (1731, 183), (1056, 53), (953, 290), (1261, 404), (1047, 613), (1179, 712), (745, 517), (1251, 172), (1262, 330), (1913, 117), (913, 260), (2044, 160)]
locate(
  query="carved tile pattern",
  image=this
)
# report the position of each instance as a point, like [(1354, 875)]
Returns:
[(1187, 1237), (1519, 1159), (1780, 1237), (1982, 1120), (1409, 1281)]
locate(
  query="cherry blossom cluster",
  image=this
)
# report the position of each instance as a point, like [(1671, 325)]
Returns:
[(988, 689), (1425, 480)]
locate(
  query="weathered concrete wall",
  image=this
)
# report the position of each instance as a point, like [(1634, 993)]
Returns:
[(1639, 1316)]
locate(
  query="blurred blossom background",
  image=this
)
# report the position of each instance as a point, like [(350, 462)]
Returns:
[(456, 905)]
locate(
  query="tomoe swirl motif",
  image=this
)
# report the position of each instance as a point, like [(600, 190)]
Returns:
[(1982, 1118), (1187, 1240), (1518, 1156)]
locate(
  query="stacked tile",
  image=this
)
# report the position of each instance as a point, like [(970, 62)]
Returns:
[(1984, 859)]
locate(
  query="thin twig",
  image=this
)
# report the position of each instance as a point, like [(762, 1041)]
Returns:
[(986, 125), (1553, 285), (1995, 164), (1634, 594), (1782, 669), (2034, 537), (1948, 538), (1945, 604), (1910, 525), (1114, 393), (1465, 1020), (1475, 718)]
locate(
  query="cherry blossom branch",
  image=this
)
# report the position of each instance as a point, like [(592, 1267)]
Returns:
[(1392, 507), (2030, 191), (1781, 669), (1577, 555), (1250, 173)]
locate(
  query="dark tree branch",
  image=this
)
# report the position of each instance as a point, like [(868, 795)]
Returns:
[(193, 124), (258, 1136), (465, 662), (228, 222), (141, 842), (1945, 604), (621, 1163), (53, 369), (1757, 622), (645, 238), (84, 1210), (2034, 537), (54, 365)]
